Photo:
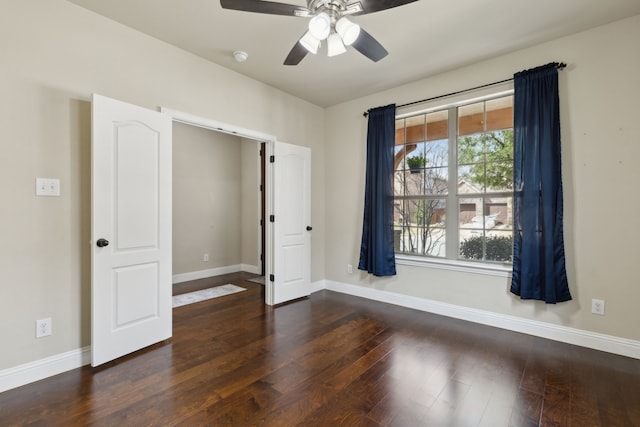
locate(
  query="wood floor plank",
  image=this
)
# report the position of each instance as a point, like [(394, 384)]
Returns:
[(527, 409), (556, 408), (333, 360)]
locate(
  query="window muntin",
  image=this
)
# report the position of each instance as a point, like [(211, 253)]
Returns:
[(468, 205)]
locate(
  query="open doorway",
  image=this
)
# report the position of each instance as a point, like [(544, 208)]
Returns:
[(287, 258), (218, 208)]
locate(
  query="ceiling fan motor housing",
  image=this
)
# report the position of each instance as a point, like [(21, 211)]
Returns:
[(334, 8)]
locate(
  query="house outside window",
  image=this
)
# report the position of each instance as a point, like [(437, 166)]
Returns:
[(453, 182)]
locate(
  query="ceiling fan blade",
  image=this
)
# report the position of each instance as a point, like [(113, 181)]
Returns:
[(369, 47), (297, 54), (269, 7), (370, 6)]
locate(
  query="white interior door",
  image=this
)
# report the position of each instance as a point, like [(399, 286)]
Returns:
[(131, 229), (291, 229)]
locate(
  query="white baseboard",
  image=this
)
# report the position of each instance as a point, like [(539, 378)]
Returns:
[(318, 286), (203, 274), (594, 340), (44, 368), (250, 268)]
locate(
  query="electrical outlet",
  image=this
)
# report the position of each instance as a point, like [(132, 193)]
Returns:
[(597, 306), (43, 327), (205, 257), (349, 268), (47, 187)]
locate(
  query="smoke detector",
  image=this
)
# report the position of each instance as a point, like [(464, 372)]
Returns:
[(240, 56)]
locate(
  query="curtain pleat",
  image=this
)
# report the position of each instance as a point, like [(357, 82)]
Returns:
[(538, 254), (377, 254)]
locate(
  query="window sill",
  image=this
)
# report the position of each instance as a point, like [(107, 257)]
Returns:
[(500, 270)]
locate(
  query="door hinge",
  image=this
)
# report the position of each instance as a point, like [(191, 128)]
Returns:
[(272, 159), (260, 187), (272, 278), (260, 221), (272, 218)]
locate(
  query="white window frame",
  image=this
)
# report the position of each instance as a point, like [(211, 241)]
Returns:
[(451, 262)]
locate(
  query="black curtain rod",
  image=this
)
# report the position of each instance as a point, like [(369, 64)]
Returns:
[(559, 66)]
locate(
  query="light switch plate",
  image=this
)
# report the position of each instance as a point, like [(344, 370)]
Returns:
[(47, 187)]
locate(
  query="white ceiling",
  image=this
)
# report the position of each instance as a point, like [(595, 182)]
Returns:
[(423, 38)]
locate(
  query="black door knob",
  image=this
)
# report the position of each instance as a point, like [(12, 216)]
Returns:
[(309, 228), (102, 243)]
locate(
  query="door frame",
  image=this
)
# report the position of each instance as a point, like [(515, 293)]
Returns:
[(263, 207), (269, 143)]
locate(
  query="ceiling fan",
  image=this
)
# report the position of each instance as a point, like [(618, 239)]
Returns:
[(328, 22)]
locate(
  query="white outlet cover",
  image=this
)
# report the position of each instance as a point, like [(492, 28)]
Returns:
[(43, 327), (597, 306), (48, 187)]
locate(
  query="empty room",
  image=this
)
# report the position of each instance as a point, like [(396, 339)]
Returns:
[(439, 232)]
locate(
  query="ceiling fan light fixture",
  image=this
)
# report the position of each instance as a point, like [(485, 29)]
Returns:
[(309, 42), (348, 31), (335, 45), (320, 26)]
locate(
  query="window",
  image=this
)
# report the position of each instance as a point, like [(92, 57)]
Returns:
[(453, 182)]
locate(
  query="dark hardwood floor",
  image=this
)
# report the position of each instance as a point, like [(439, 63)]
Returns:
[(335, 360)]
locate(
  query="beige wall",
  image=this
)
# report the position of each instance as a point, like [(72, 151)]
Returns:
[(207, 172), (216, 200), (53, 55), (599, 95)]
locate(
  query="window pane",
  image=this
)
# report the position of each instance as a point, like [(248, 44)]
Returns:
[(432, 241), (499, 158), (419, 228), (430, 181), (400, 132), (399, 183), (438, 125), (414, 182), (499, 176), (486, 228), (436, 153), (471, 119), (414, 156), (415, 129), (498, 247), (471, 179), (499, 211), (499, 113), (399, 148), (436, 181), (499, 145), (471, 149), (470, 216)]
